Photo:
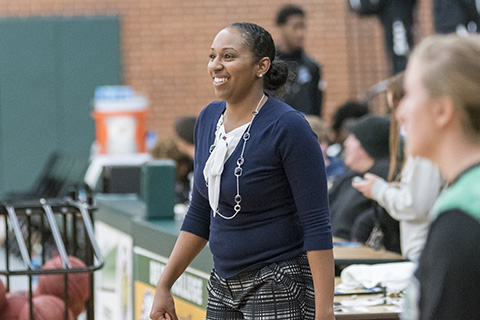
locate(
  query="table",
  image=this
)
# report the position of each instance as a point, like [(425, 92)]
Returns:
[(348, 253), (144, 245), (351, 307), (372, 312)]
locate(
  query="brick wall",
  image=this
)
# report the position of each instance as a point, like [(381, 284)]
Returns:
[(165, 45)]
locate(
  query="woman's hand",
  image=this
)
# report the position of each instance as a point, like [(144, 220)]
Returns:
[(366, 185), (322, 266), (186, 249), (163, 307)]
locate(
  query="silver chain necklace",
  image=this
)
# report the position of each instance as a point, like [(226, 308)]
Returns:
[(238, 169)]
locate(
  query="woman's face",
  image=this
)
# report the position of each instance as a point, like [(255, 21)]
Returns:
[(414, 113), (232, 66), (356, 158)]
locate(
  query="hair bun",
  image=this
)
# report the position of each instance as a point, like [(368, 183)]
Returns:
[(277, 75)]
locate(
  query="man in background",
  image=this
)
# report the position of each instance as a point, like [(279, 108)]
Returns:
[(396, 17), (303, 89)]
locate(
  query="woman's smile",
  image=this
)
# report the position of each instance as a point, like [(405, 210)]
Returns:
[(231, 62), (217, 81)]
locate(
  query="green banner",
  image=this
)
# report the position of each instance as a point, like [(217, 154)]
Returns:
[(190, 287)]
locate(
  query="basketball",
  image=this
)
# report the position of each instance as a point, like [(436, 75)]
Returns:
[(3, 298), (78, 284), (15, 300), (45, 307)]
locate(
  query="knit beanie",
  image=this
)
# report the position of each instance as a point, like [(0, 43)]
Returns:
[(373, 133)]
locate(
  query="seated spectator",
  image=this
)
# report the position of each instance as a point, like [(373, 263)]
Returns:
[(184, 130), (411, 199), (167, 149), (184, 127), (353, 215), (346, 113), (333, 165), (180, 149)]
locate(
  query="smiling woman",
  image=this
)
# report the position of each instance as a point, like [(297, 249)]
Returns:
[(259, 196), (238, 62)]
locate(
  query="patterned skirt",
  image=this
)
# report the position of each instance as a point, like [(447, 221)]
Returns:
[(282, 290)]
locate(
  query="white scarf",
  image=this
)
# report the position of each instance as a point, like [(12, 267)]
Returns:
[(225, 144)]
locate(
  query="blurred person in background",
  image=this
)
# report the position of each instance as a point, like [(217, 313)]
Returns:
[(354, 216), (304, 88), (460, 16), (441, 116), (343, 115), (184, 128), (408, 198), (334, 165), (396, 17), (168, 149), (350, 110)]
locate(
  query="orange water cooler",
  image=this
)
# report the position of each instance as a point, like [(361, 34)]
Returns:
[(120, 120)]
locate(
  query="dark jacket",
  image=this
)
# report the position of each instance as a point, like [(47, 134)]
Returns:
[(353, 215), (449, 14), (303, 88)]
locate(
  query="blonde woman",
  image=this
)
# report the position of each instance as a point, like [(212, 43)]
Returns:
[(441, 115)]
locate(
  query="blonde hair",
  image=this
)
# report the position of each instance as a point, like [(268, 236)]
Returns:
[(395, 88), (451, 68), (320, 127)]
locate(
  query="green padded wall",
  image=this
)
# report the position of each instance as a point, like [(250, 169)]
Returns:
[(49, 69), (90, 48), (27, 98)]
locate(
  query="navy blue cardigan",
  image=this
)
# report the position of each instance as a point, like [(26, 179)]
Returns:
[(285, 208)]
